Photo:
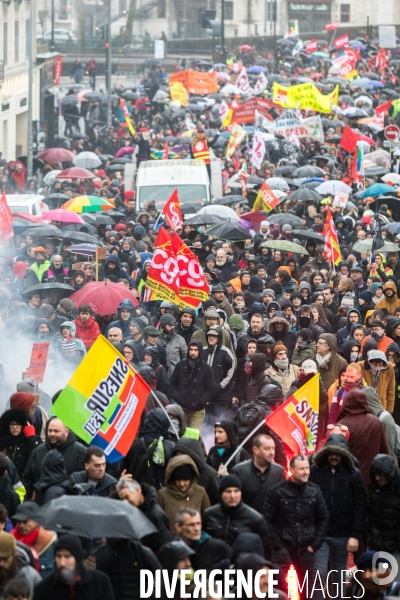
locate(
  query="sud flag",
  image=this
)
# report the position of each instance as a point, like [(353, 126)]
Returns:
[(6, 219), (331, 248), (296, 420), (127, 117), (172, 211), (103, 401)]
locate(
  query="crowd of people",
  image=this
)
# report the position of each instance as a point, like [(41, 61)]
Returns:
[(275, 319)]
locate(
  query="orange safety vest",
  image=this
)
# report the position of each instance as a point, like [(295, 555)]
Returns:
[(201, 151)]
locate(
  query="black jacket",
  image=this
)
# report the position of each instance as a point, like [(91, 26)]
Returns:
[(208, 478), (8, 497), (104, 488), (216, 457), (191, 388), (222, 362), (53, 481), (209, 553), (18, 448), (157, 516), (227, 523), (72, 451), (255, 484), (297, 515), (93, 585), (343, 492), (384, 506)]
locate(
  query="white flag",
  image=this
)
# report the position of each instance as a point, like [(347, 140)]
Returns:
[(261, 84), (242, 82), (258, 151), (189, 124), (223, 110)]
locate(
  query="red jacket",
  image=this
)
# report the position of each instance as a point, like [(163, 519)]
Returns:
[(87, 332)]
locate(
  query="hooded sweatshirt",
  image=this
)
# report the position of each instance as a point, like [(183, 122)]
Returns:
[(123, 325), (53, 481), (329, 370), (79, 343), (383, 381), (389, 303)]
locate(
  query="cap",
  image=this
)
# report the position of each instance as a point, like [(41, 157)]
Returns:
[(217, 288), (309, 366), (27, 385), (8, 544), (269, 292), (229, 481), (22, 400), (150, 330), (211, 313), (356, 270), (67, 304)]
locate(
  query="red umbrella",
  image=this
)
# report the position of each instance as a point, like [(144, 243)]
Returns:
[(57, 155), (255, 218), (75, 173), (246, 48), (124, 150), (104, 297)]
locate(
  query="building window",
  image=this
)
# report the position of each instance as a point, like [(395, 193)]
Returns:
[(269, 11), (27, 35), (5, 43), (161, 9), (345, 13), (229, 10), (16, 41)]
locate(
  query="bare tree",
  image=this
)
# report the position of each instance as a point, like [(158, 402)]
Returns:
[(129, 21)]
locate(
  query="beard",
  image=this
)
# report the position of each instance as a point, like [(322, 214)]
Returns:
[(64, 575), (8, 573)]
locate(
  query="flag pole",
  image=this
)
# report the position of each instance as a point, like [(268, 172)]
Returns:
[(163, 407), (158, 218), (256, 428)]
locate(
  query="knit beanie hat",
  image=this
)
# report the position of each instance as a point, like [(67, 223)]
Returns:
[(71, 543), (374, 286), (139, 324), (278, 347), (8, 544), (167, 319), (269, 292), (67, 304), (264, 225), (236, 323), (366, 296), (27, 385), (347, 301), (182, 472), (229, 481), (22, 400), (68, 345)]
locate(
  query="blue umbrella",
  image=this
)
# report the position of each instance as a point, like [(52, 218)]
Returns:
[(377, 189), (313, 179), (377, 83), (84, 249), (256, 69)]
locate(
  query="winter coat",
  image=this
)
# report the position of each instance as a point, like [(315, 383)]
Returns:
[(157, 516), (222, 362), (259, 378), (8, 497), (386, 384), (343, 489), (122, 325), (72, 451), (208, 478), (209, 552), (388, 422), (18, 448), (79, 344), (87, 332), (220, 454), (200, 334), (225, 306), (301, 354), (226, 524), (287, 337), (389, 303), (367, 438), (24, 569), (175, 350), (255, 484), (92, 585), (191, 388), (104, 488), (284, 378), (344, 333), (336, 362), (171, 499), (187, 332), (53, 481), (227, 270), (297, 515), (384, 506)]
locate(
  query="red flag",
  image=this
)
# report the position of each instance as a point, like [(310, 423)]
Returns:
[(6, 219), (172, 211), (351, 137), (341, 41), (383, 108), (380, 59), (191, 283), (331, 248), (164, 270), (353, 172), (331, 26), (166, 152), (311, 46)]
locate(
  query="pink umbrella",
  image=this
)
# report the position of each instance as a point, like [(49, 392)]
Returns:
[(124, 150), (62, 216), (75, 173), (81, 95), (57, 155)]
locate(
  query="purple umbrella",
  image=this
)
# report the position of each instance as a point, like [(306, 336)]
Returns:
[(247, 225), (124, 150)]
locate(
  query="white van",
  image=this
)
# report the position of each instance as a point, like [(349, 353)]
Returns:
[(32, 204), (156, 180)]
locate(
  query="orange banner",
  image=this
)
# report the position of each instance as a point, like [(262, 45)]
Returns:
[(195, 82)]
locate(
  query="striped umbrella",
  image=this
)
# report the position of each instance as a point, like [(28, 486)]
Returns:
[(87, 204)]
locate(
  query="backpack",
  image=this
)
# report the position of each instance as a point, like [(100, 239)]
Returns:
[(247, 417)]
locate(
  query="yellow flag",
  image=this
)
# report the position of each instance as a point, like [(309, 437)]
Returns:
[(178, 93), (305, 96), (227, 121)]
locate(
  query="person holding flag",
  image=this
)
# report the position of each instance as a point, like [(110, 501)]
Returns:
[(200, 147)]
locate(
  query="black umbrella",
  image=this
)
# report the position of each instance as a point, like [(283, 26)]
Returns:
[(121, 161), (377, 171), (63, 290), (204, 219), (227, 200), (346, 99), (285, 219), (79, 236), (38, 163), (228, 230), (308, 171), (277, 78), (115, 213), (69, 100), (285, 42), (305, 194), (58, 197), (188, 208), (284, 171), (43, 231), (105, 157), (116, 167), (93, 96), (97, 219), (130, 95), (307, 234), (94, 517)]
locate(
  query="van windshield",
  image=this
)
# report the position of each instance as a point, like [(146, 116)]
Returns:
[(159, 194)]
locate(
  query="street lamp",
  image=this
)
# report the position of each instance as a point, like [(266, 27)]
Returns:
[(29, 162), (223, 29), (52, 26), (108, 66)]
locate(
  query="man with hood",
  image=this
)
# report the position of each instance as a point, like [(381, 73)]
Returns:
[(181, 489), (149, 338), (125, 315), (40, 265), (341, 483), (390, 300), (16, 564), (58, 438), (70, 578), (305, 348), (53, 482), (64, 312), (343, 334), (226, 442), (221, 301), (186, 324), (208, 477), (179, 429), (174, 344), (192, 385), (210, 319), (254, 293), (379, 374), (112, 266), (67, 333), (384, 505), (279, 328), (328, 360), (377, 330), (222, 362), (151, 356), (17, 437), (56, 269)]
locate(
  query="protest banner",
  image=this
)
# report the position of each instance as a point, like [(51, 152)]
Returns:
[(191, 283), (37, 365), (300, 128), (341, 41), (245, 112), (296, 420), (258, 150), (196, 82), (103, 401), (124, 109), (237, 136), (6, 219), (304, 96), (178, 93)]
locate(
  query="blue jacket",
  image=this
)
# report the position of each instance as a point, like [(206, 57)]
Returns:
[(123, 325)]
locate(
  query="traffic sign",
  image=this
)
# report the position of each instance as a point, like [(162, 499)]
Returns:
[(392, 132)]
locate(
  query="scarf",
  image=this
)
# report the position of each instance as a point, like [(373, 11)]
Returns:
[(375, 373), (351, 385), (323, 361)]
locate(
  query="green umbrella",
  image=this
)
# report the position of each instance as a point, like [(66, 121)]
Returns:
[(285, 246), (363, 245), (388, 247)]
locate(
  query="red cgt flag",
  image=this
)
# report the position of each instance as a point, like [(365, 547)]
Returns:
[(341, 41), (311, 46), (6, 219), (351, 137), (331, 26), (172, 211), (191, 283), (331, 248)]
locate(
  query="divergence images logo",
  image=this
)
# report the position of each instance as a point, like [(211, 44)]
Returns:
[(383, 564)]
